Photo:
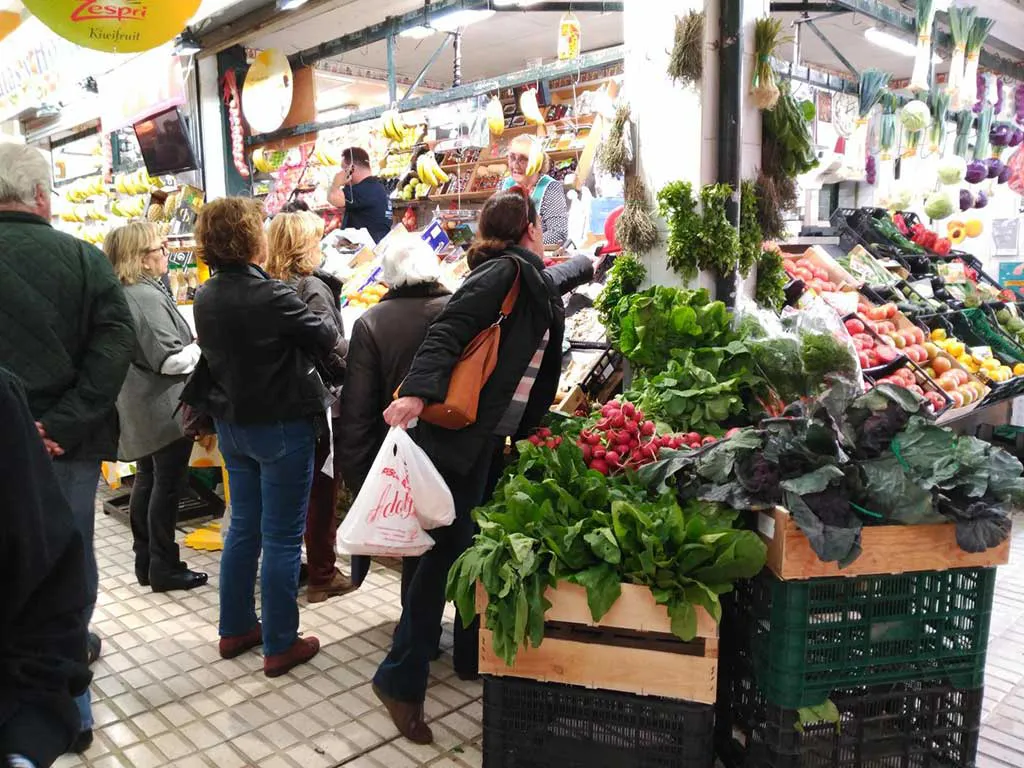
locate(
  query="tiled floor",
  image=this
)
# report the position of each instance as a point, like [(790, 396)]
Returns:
[(164, 698)]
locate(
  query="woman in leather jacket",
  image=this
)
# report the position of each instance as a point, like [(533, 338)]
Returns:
[(517, 395), (260, 380), (295, 259)]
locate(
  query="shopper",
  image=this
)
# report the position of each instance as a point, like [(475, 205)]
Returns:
[(42, 616), (151, 433), (384, 341), (362, 195), (295, 259), (514, 399), (547, 193), (66, 332), (259, 381)]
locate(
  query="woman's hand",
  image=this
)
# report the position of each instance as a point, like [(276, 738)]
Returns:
[(403, 410)]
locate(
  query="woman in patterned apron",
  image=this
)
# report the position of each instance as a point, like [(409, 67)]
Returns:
[(547, 193)]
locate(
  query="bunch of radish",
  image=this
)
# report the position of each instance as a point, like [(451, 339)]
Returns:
[(543, 438)]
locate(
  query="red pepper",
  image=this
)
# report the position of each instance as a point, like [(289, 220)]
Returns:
[(901, 225), (942, 246), (928, 240), (917, 233)]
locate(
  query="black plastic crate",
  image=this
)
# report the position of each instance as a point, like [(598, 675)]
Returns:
[(604, 376), (926, 724), (808, 638), (529, 724)]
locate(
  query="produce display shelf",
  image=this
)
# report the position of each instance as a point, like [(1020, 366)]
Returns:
[(808, 638), (529, 724), (632, 649), (886, 549)]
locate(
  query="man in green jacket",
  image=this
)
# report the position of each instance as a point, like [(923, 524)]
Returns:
[(66, 333)]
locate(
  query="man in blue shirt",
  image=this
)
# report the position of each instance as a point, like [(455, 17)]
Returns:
[(362, 196)]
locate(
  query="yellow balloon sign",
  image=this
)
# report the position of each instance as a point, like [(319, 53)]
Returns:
[(115, 26)]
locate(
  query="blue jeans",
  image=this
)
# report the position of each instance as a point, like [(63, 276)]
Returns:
[(270, 471), (404, 673), (78, 481)]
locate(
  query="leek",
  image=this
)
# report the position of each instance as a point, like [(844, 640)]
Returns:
[(922, 58), (979, 30), (960, 22)]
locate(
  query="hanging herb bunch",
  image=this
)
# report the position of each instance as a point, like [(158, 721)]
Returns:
[(613, 154), (636, 229), (763, 87), (677, 206), (770, 290), (775, 195), (718, 245), (686, 61), (751, 237)]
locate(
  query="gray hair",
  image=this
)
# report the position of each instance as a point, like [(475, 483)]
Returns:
[(23, 170), (409, 261)]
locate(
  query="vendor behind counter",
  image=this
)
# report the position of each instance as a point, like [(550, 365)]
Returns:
[(547, 193)]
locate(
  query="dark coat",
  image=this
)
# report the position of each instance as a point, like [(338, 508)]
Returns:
[(384, 342), (42, 616), (474, 307), (261, 348), (322, 293), (65, 332)]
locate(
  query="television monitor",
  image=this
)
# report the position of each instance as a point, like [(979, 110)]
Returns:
[(163, 139)]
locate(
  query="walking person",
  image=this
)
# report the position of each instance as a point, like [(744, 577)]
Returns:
[(384, 341), (151, 434), (517, 395), (66, 333), (295, 259), (259, 380)]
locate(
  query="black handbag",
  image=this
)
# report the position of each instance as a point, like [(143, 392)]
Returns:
[(196, 422)]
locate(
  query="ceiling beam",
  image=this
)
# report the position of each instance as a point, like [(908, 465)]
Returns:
[(470, 90)]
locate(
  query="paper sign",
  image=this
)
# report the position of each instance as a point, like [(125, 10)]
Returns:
[(1006, 234), (1011, 276)]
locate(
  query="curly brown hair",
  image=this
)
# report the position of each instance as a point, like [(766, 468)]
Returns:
[(230, 231)]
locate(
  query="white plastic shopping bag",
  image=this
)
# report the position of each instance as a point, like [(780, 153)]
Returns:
[(383, 518), (431, 496)]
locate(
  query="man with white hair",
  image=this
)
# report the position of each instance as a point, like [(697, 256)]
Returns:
[(66, 333)]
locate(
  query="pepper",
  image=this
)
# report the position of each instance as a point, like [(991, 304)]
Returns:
[(942, 246), (928, 240), (901, 224)]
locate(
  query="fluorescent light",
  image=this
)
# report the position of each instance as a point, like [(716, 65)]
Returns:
[(452, 21), (290, 5), (895, 44)]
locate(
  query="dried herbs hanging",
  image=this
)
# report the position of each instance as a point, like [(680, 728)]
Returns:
[(751, 238), (636, 229), (686, 62), (613, 154), (763, 87), (775, 195)]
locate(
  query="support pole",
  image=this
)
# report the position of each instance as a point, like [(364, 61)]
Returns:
[(835, 51), (730, 97), (392, 77), (426, 67)]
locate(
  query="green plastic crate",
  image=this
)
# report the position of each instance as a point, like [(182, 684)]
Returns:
[(810, 637)]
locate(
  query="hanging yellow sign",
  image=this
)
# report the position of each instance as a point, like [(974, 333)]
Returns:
[(115, 26)]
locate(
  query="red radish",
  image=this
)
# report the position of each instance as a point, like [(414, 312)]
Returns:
[(709, 440), (599, 453), (534, 440), (733, 431), (599, 466), (692, 437), (628, 410), (647, 428), (617, 420), (588, 452), (612, 458), (544, 432)]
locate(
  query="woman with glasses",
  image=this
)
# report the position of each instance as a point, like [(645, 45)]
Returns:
[(295, 259), (151, 435), (547, 193)]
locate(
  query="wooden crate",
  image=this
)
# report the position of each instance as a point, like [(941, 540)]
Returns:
[(631, 649), (885, 549)]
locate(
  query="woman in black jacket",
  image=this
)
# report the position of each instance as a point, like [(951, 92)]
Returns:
[(295, 259), (259, 380), (513, 400)]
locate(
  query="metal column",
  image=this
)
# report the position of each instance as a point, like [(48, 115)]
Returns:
[(392, 78), (730, 104)]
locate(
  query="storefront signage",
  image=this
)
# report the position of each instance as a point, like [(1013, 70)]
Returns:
[(144, 86), (115, 26)]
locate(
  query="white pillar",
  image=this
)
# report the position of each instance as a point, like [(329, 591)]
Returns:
[(212, 131)]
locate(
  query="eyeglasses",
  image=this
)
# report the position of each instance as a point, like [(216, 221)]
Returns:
[(517, 159), (162, 248)]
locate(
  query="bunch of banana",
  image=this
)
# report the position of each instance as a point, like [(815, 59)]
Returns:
[(266, 161), (495, 116), (129, 209), (429, 171), (326, 156), (83, 189), (536, 161), (394, 126), (528, 106), (136, 183)]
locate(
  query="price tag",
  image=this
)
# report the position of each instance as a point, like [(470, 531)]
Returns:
[(766, 525)]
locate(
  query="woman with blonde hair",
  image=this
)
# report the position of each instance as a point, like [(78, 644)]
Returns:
[(295, 258), (547, 193), (151, 435)]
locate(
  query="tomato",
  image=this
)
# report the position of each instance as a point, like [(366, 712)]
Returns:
[(854, 326)]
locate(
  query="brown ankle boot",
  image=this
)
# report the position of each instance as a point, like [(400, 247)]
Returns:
[(230, 647), (407, 717), (340, 584), (302, 650)]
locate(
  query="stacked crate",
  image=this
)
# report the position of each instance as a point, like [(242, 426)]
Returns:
[(622, 692), (900, 655)]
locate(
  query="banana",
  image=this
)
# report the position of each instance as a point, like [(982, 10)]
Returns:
[(435, 170), (528, 106), (390, 125), (421, 173), (495, 116), (536, 161)]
